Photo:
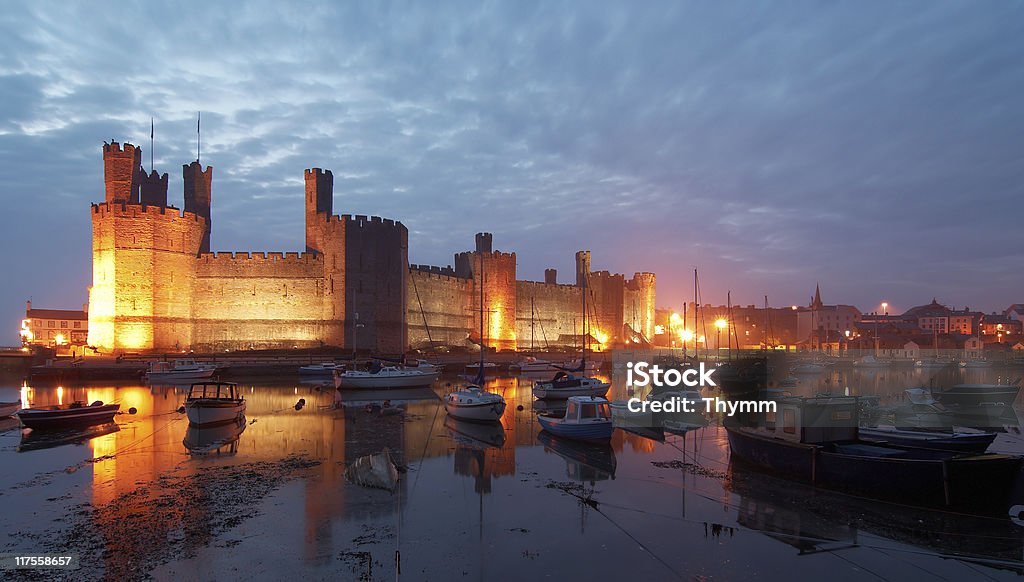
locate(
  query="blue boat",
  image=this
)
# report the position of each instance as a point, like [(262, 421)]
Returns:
[(586, 418)]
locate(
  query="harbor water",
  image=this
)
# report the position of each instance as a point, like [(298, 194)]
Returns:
[(267, 498)]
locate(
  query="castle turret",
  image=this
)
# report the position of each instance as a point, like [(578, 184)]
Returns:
[(198, 186), (496, 272), (319, 206), (582, 267), (551, 276), (152, 189), (484, 242), (120, 172)]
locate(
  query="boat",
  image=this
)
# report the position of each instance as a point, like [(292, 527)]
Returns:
[(976, 364), (473, 402), (9, 408), (816, 440), (959, 441), (565, 385), (808, 368), (75, 415), (586, 418), (583, 366), (978, 394), (380, 377), (932, 364), (424, 365), (213, 403), (475, 366), (871, 362), (533, 365), (321, 369), (182, 369)]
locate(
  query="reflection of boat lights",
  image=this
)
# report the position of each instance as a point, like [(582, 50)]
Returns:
[(60, 395), (25, 391)]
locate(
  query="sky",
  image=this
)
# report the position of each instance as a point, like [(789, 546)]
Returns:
[(874, 148)]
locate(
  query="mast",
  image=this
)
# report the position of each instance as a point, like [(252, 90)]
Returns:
[(583, 336), (728, 324), (764, 332), (696, 313), (684, 331), (533, 322), (480, 371)]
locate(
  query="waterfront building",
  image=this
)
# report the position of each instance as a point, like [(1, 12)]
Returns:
[(54, 327)]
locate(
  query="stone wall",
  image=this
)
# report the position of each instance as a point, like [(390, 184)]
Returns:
[(548, 315), (258, 301), (441, 308)]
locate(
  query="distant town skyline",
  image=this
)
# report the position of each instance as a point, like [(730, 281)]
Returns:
[(872, 150)]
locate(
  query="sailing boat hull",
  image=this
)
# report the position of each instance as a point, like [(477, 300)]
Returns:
[(551, 391)]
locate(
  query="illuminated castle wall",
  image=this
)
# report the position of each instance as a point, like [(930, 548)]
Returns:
[(157, 286)]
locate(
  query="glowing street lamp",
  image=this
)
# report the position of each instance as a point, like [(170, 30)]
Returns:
[(719, 326)]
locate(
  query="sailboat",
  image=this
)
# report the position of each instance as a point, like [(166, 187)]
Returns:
[(473, 402), (566, 384)]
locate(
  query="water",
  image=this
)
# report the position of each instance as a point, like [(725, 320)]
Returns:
[(473, 503)]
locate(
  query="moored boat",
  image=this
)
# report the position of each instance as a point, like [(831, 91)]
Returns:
[(384, 377), (474, 403), (816, 440), (586, 418), (959, 441), (321, 369), (74, 415), (978, 394), (213, 403), (182, 369), (564, 386), (532, 365)]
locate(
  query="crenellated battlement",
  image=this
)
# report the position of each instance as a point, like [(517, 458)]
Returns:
[(433, 271), (361, 221), (260, 264), (114, 148), (140, 211)]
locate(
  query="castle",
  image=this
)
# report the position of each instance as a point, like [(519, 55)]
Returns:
[(157, 286)]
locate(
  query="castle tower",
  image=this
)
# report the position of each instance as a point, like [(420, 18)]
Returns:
[(120, 172), (198, 185), (638, 310), (319, 206), (375, 271), (551, 276), (496, 272), (152, 189), (582, 267)]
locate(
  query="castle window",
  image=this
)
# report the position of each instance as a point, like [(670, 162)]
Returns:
[(78, 324), (64, 324), (50, 323)]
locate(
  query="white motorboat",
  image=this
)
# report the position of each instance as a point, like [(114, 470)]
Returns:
[(474, 403), (532, 365), (384, 377), (213, 403), (564, 386), (932, 363), (585, 419), (183, 369), (321, 369), (487, 366)]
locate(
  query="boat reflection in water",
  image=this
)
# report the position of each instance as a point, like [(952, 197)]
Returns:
[(813, 521), (219, 439), (38, 440), (475, 435), (585, 462)]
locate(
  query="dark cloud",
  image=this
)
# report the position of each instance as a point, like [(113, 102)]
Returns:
[(873, 148)]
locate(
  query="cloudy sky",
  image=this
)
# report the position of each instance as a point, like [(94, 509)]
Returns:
[(876, 148)]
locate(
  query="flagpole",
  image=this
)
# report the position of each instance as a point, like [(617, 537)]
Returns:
[(152, 143), (199, 137)]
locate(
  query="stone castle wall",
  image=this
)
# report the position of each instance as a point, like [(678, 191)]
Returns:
[(156, 286)]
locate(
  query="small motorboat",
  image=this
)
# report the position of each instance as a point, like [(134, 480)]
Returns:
[(976, 364), (182, 369), (978, 394), (487, 366), (586, 418), (75, 415), (871, 362), (213, 403), (423, 365), (384, 377), (9, 408), (565, 385), (533, 365), (475, 403), (959, 441), (321, 369)]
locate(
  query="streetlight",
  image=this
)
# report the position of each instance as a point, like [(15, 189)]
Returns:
[(885, 308), (719, 326)]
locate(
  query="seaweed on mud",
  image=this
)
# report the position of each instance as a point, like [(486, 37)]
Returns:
[(692, 468)]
